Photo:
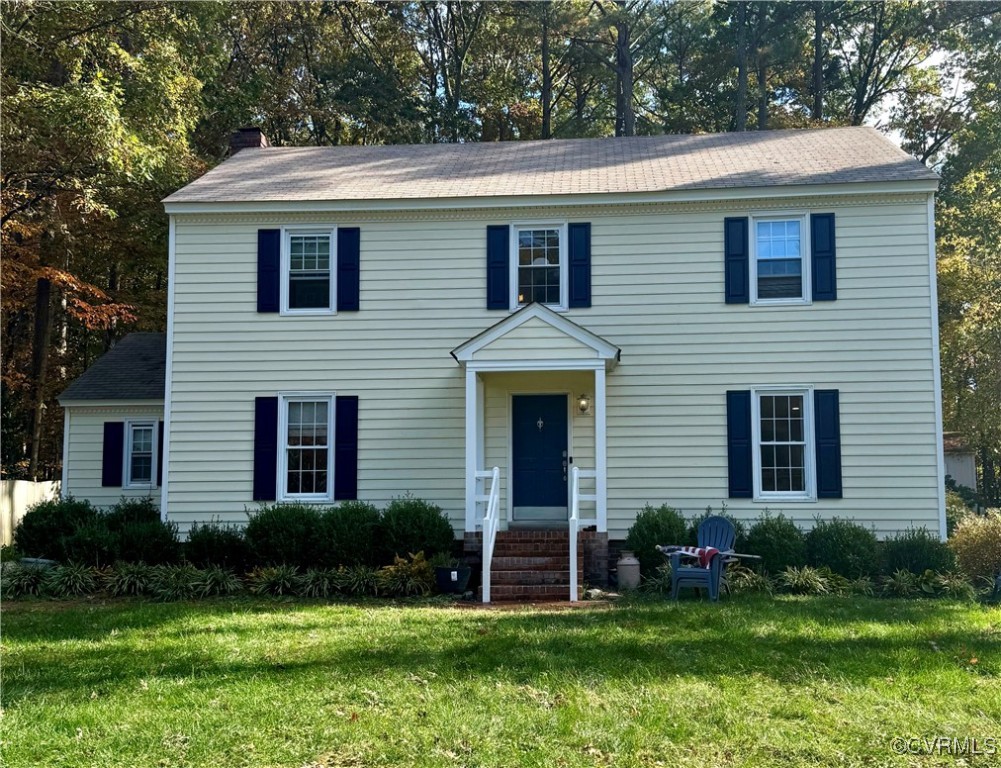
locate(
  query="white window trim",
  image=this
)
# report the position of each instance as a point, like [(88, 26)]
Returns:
[(808, 438), (804, 249), (291, 397), (560, 226), (286, 261), (127, 455)]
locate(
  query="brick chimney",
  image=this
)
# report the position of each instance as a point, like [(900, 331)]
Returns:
[(247, 138)]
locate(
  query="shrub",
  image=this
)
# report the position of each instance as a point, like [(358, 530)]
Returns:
[(23, 580), (216, 580), (128, 579), (274, 580), (359, 580), (803, 581), (45, 526), (92, 543), (779, 541), (174, 582), (414, 525), (131, 531), (653, 526), (742, 579), (659, 582), (901, 584), (285, 534), (738, 526), (350, 532), (956, 509), (320, 582), (917, 551), (863, 586), (977, 544), (9, 554), (407, 576), (221, 545), (72, 580), (955, 585), (843, 546)]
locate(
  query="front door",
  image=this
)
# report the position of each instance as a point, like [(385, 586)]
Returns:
[(540, 461)]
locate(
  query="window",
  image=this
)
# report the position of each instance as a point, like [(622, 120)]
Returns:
[(539, 265), (308, 276), (782, 422), (306, 429), (140, 458), (780, 267)]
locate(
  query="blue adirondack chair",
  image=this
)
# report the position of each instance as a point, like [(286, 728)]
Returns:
[(715, 532)]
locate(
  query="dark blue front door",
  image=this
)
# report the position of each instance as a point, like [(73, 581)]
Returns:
[(539, 445)]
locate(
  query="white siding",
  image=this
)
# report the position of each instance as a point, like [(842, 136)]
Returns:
[(535, 340), (85, 453), (657, 294)]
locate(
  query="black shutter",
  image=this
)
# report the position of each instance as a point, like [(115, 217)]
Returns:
[(112, 459), (739, 445), (735, 256), (346, 448), (348, 268), (265, 448), (498, 267), (269, 270), (580, 265), (822, 250), (827, 429), (159, 455)]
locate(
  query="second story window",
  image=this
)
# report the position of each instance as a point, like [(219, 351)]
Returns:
[(308, 277), (540, 265), (780, 266)]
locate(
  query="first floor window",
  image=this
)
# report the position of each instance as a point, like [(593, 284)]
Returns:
[(308, 426), (540, 261), (779, 260), (309, 259), (783, 432), (139, 454)]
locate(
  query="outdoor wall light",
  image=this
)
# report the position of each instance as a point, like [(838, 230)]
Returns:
[(584, 403)]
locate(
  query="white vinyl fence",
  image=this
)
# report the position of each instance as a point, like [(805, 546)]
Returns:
[(15, 498)]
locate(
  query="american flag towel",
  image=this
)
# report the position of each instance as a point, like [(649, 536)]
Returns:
[(704, 554)]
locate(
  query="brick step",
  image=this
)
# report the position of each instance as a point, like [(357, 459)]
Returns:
[(524, 593), (560, 536), (530, 578), (540, 563)]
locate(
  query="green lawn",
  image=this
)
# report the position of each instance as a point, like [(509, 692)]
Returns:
[(750, 681)]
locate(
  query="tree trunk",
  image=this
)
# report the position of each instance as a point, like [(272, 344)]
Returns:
[(817, 113), (762, 93), (39, 366), (547, 77), (625, 117), (740, 111)]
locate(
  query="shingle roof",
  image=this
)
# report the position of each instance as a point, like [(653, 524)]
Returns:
[(134, 369), (572, 166)]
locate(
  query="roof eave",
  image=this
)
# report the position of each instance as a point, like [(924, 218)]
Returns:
[(701, 194)]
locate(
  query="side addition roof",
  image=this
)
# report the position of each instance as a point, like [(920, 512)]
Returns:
[(638, 164), (134, 369)]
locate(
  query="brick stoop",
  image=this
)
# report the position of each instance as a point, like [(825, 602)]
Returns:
[(532, 566)]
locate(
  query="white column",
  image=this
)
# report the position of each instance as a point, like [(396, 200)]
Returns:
[(472, 448), (600, 447)]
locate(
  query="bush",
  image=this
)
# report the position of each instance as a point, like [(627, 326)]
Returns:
[(414, 525), (845, 547), (72, 580), (653, 526), (320, 582), (359, 580), (779, 541), (659, 582), (92, 543), (274, 580), (285, 534), (977, 544), (956, 508), (742, 579), (46, 525), (128, 579), (216, 580), (738, 526), (901, 584), (211, 544), (917, 551), (803, 581), (175, 582), (350, 533), (23, 580), (407, 576)]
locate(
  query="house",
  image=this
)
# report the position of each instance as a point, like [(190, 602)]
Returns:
[(745, 319)]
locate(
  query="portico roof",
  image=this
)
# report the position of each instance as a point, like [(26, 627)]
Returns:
[(536, 337)]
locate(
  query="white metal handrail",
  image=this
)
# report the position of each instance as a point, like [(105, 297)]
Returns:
[(576, 497), (490, 523)]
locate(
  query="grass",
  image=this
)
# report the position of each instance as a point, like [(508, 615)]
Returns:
[(751, 681)]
